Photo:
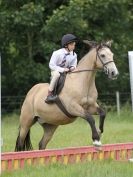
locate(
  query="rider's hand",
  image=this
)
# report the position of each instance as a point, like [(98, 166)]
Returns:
[(72, 68), (66, 69)]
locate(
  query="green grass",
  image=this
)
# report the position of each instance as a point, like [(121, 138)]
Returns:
[(90, 169), (118, 129)]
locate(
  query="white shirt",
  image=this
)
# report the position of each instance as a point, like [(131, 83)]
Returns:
[(61, 59)]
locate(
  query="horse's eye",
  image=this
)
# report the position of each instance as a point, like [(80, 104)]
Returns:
[(102, 55)]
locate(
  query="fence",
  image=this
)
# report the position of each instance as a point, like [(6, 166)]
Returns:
[(109, 101), (15, 160)]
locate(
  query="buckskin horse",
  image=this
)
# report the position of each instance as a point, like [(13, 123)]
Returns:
[(79, 97)]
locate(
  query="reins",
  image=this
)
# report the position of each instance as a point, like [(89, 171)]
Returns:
[(97, 56), (84, 70)]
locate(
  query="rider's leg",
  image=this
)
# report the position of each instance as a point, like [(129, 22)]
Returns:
[(55, 76)]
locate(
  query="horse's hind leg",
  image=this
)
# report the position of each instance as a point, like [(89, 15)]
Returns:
[(48, 133), (23, 140)]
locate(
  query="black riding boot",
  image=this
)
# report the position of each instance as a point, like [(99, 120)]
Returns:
[(50, 98)]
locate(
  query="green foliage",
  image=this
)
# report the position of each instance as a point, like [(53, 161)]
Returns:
[(22, 78), (31, 30), (69, 18), (29, 15)]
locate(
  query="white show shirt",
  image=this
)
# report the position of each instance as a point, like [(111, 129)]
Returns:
[(61, 59)]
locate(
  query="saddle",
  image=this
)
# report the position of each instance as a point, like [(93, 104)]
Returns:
[(57, 89), (59, 84)]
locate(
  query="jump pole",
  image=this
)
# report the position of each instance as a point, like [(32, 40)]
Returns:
[(130, 56), (17, 160)]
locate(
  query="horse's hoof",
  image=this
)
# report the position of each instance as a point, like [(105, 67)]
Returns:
[(131, 160), (97, 143)]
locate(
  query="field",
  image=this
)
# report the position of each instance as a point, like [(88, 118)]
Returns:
[(118, 129)]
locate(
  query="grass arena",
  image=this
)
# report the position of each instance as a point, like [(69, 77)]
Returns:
[(70, 152)]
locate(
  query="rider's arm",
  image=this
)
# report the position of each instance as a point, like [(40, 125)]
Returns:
[(53, 63)]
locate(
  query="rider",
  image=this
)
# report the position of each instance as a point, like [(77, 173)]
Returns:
[(62, 60)]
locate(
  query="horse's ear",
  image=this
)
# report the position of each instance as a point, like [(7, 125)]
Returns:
[(90, 43), (108, 43)]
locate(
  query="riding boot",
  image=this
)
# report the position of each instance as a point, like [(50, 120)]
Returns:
[(50, 98)]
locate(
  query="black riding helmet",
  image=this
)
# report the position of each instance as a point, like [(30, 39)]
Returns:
[(67, 39)]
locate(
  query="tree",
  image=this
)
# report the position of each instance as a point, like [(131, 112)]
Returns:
[(31, 30), (98, 20)]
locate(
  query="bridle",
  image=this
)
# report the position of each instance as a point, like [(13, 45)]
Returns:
[(97, 57)]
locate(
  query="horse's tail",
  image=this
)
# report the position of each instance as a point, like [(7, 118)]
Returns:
[(23, 145)]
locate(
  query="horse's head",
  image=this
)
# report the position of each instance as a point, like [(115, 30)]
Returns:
[(104, 58)]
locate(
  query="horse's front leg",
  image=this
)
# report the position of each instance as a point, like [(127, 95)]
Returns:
[(102, 115), (95, 134), (79, 111), (94, 109)]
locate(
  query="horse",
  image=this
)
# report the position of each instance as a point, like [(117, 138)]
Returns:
[(79, 95)]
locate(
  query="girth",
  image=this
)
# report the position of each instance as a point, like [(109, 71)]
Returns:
[(62, 107)]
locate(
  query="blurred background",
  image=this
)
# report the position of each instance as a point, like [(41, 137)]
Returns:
[(31, 30)]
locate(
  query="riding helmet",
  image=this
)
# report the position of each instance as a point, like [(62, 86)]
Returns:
[(68, 38)]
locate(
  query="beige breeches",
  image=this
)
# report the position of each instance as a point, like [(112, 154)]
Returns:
[(55, 76)]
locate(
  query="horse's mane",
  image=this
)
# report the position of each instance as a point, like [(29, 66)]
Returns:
[(84, 57), (94, 46)]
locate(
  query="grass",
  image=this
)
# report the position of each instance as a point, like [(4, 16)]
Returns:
[(90, 169), (118, 129)]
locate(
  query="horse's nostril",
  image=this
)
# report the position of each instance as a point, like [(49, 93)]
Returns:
[(112, 73)]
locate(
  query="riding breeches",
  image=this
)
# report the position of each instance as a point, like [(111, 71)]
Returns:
[(54, 78)]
